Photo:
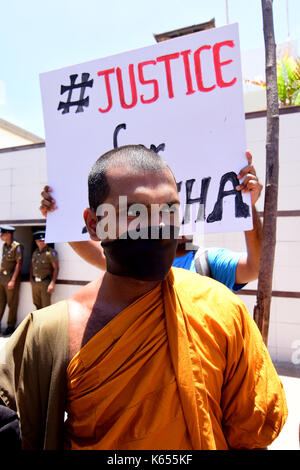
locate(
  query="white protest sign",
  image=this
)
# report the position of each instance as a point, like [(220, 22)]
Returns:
[(182, 97)]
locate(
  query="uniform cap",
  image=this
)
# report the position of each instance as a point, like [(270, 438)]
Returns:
[(40, 235), (6, 229)]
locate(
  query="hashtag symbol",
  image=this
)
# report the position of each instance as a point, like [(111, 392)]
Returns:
[(85, 82)]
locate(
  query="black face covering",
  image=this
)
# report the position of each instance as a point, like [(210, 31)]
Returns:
[(149, 258)]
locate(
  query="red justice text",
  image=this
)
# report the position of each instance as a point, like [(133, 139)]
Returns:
[(192, 65)]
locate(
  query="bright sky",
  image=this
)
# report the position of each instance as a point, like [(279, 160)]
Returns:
[(37, 36)]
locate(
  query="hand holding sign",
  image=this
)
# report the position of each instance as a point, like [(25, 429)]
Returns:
[(250, 183)]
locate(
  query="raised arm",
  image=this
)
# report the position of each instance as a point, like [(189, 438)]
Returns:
[(91, 252), (248, 266)]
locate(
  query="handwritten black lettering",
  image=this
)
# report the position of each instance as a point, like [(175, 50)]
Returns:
[(202, 199), (116, 132), (160, 147), (83, 101), (241, 208), (154, 148)]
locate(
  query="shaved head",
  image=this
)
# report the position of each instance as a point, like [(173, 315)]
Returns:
[(135, 157)]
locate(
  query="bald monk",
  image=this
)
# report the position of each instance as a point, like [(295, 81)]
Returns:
[(146, 356)]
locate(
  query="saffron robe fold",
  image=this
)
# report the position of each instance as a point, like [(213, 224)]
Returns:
[(183, 367)]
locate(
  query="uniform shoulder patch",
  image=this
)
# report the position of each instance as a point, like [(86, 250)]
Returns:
[(52, 253)]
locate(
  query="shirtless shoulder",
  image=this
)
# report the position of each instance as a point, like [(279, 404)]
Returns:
[(89, 309), (80, 310)]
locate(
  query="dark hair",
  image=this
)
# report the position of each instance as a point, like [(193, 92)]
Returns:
[(137, 157)]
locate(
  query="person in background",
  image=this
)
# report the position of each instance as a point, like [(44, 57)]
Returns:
[(10, 279), (43, 271), (234, 269)]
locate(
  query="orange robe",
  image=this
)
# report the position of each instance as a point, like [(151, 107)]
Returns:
[(183, 367)]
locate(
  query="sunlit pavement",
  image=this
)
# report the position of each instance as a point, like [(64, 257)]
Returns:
[(290, 377), (288, 439)]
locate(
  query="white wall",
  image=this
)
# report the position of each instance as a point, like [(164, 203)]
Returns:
[(23, 174)]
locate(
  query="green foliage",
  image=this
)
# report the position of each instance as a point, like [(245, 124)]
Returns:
[(288, 81)]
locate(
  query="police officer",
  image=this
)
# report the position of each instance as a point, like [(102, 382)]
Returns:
[(43, 271), (12, 257)]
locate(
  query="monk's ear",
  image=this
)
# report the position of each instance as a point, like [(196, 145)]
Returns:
[(91, 221)]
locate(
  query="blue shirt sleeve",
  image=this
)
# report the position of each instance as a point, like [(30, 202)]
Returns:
[(223, 264), (185, 262)]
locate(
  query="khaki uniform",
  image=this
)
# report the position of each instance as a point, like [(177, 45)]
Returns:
[(42, 271), (10, 255)]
